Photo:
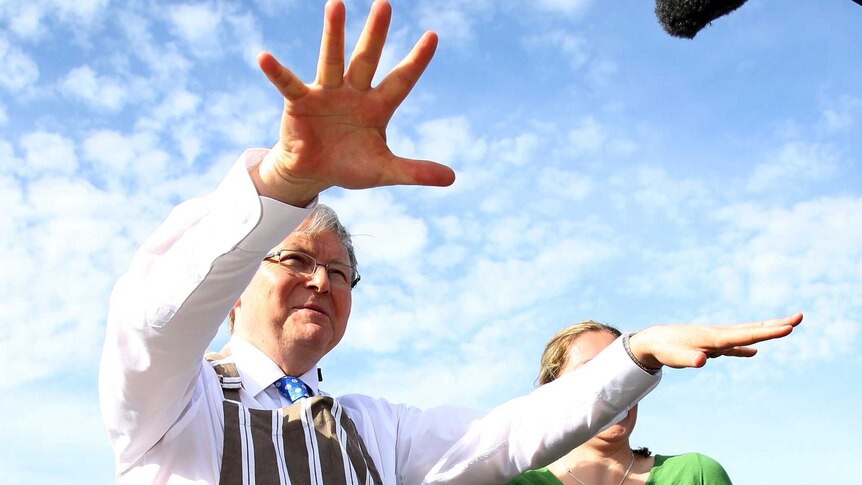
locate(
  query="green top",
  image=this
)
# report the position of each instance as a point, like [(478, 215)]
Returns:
[(687, 469)]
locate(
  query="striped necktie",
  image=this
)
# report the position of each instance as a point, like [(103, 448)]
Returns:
[(292, 388)]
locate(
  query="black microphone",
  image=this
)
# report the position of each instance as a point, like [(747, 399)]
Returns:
[(685, 18)]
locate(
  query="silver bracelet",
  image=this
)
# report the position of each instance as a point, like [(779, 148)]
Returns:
[(626, 337)]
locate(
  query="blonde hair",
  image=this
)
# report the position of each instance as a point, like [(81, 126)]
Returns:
[(556, 351)]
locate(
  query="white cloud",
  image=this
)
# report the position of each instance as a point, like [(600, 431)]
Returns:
[(451, 227), (276, 8), (564, 184), (129, 163), (551, 268), (453, 20), (571, 47), (384, 233), (109, 149), (519, 150), (601, 71), (187, 137), (82, 11), (795, 162), (163, 60), (398, 44), (32, 20), (247, 117), (566, 7), (587, 137), (32, 429), (3, 116), (247, 32), (66, 246), (657, 193), (198, 25), (12, 198), (101, 92), (450, 141), (178, 104), (840, 115), (384, 331), (17, 70), (472, 369), (772, 262), (26, 22), (47, 153)]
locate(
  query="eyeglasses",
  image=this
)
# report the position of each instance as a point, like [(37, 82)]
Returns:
[(297, 262)]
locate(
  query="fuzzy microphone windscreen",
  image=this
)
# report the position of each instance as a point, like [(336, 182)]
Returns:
[(685, 18)]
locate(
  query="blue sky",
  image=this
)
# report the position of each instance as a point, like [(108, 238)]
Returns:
[(605, 170)]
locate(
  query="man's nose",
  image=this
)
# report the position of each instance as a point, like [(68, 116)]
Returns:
[(319, 279)]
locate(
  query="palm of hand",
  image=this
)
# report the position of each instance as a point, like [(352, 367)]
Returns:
[(337, 137)]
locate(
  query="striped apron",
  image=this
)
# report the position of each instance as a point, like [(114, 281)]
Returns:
[(311, 442)]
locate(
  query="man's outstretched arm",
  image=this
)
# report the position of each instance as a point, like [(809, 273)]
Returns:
[(682, 346), (534, 430)]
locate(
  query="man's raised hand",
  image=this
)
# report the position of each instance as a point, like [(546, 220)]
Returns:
[(691, 345), (333, 131)]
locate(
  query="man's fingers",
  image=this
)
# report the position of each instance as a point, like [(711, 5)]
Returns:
[(330, 64), (398, 83), (366, 55), (290, 86), (406, 171)]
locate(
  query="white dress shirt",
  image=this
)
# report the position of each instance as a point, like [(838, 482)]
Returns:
[(162, 403)]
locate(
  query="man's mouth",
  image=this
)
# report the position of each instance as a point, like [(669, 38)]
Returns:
[(314, 308)]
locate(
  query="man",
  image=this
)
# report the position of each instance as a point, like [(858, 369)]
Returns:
[(254, 414)]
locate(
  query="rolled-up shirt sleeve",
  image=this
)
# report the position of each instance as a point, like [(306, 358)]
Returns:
[(534, 430), (168, 306)]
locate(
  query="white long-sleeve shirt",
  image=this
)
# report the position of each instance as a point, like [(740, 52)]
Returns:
[(162, 403)]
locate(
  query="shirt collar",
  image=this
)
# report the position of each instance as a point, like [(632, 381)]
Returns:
[(258, 371)]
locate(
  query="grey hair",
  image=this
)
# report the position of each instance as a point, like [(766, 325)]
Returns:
[(323, 218)]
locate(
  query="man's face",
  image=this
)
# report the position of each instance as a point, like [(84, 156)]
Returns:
[(583, 349), (296, 318)]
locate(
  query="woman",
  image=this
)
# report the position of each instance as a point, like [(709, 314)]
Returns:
[(608, 459)]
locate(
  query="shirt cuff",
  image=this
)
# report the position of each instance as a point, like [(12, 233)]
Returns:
[(270, 220)]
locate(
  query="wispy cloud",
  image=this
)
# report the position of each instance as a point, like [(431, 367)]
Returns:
[(794, 162), (48, 153), (454, 20), (566, 7), (98, 91), (574, 49), (29, 20), (198, 26), (18, 71)]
